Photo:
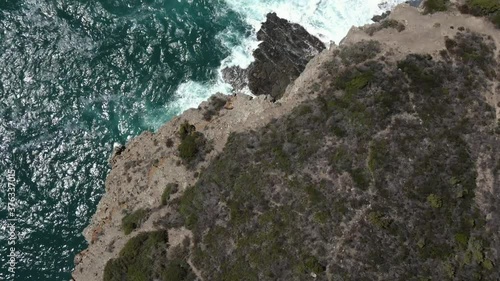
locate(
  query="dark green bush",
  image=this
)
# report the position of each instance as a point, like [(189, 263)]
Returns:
[(432, 6), (188, 148), (483, 7), (137, 257), (215, 104), (360, 51), (388, 23), (193, 144), (134, 220), (435, 201), (169, 189), (186, 129)]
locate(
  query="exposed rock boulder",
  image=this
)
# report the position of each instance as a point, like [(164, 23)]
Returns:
[(236, 77), (379, 18), (285, 50)]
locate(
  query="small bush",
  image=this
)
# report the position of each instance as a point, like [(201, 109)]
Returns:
[(134, 220), (193, 144), (188, 148), (360, 51), (169, 142), (176, 270), (312, 265), (378, 219), (186, 129), (215, 104), (435, 201), (432, 6), (461, 239), (389, 23), (144, 257), (169, 189)]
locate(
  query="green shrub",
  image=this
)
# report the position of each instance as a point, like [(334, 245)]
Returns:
[(483, 7), (388, 23), (379, 219), (321, 217), (391, 23), (193, 144), (176, 270), (360, 179), (487, 264), (186, 129), (137, 258), (134, 220), (486, 8), (360, 51), (495, 19), (169, 189), (461, 239), (188, 148), (435, 201), (312, 265), (215, 104), (432, 6), (377, 155)]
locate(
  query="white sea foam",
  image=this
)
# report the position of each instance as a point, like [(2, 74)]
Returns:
[(329, 20)]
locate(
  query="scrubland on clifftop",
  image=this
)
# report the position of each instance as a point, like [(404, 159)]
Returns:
[(380, 162)]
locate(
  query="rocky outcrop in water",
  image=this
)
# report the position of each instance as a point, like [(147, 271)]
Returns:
[(236, 77), (285, 50)]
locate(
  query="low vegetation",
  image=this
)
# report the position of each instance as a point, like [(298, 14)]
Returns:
[(215, 104), (375, 179), (169, 189), (388, 23), (145, 258), (483, 8), (193, 145), (432, 6), (133, 220)]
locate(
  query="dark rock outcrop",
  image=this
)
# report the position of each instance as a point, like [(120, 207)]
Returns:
[(285, 50), (379, 18), (236, 77)]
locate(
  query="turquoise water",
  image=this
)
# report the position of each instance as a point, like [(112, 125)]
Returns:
[(78, 76)]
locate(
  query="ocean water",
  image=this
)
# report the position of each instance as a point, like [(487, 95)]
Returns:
[(78, 76)]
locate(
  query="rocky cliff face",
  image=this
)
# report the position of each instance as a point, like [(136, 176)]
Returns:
[(380, 161), (283, 54), (285, 50)]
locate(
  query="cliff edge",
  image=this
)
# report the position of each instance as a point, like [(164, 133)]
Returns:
[(381, 161)]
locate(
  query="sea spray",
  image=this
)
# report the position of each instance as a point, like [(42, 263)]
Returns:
[(329, 20)]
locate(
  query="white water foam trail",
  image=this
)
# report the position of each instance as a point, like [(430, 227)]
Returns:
[(329, 20)]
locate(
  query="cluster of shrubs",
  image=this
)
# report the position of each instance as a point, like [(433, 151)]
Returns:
[(215, 104), (406, 202), (132, 221), (480, 8), (432, 6), (483, 8), (144, 258), (170, 189), (388, 23), (193, 144), (372, 180)]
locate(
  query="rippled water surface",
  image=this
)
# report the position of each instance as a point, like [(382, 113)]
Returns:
[(78, 76)]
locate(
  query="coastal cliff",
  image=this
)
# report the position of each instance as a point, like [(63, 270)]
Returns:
[(380, 161)]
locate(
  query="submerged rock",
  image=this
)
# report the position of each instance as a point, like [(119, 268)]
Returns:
[(285, 50)]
